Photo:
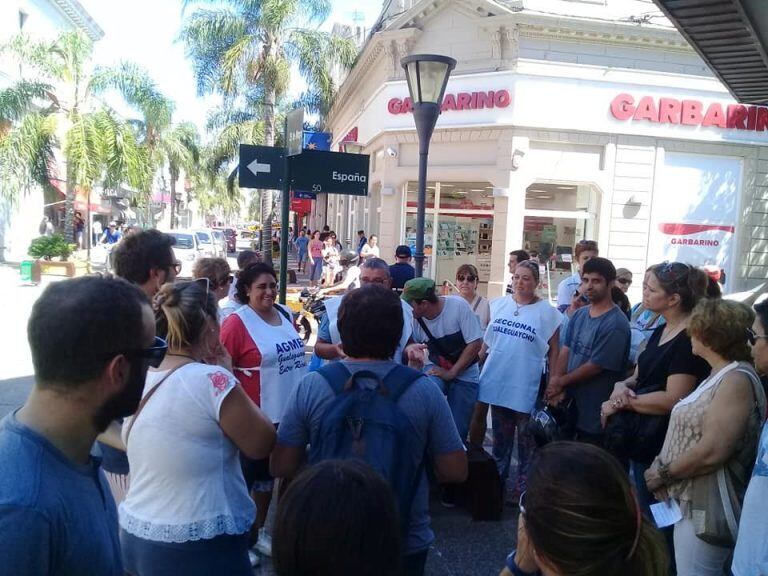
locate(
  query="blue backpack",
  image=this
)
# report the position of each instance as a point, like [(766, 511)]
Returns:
[(367, 424)]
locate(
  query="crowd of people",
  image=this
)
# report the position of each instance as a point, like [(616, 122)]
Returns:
[(201, 407)]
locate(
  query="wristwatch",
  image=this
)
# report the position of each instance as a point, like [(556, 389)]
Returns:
[(515, 569)]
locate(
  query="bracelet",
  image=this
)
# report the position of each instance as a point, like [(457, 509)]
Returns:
[(515, 569), (664, 475)]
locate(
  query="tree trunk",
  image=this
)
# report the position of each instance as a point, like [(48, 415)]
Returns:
[(266, 195), (173, 202), (69, 207)]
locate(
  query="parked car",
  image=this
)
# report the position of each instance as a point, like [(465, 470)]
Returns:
[(187, 249), (247, 240), (221, 242), (208, 246)]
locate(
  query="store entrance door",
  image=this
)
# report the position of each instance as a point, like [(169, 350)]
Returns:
[(557, 216)]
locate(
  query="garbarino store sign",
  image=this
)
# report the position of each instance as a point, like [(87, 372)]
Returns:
[(458, 101), (626, 107)]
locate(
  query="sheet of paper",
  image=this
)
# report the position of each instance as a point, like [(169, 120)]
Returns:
[(666, 513)]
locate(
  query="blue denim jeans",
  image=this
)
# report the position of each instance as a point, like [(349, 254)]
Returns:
[(461, 396)]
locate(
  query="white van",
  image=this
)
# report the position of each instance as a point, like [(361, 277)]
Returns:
[(187, 249), (207, 242)]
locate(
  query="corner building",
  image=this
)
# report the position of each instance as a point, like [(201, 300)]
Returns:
[(563, 120)]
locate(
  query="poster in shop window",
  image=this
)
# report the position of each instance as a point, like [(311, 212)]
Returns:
[(695, 211)]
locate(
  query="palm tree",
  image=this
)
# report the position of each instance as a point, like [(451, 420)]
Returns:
[(178, 148), (250, 45), (62, 101)]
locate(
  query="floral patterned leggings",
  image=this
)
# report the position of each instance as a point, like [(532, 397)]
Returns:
[(505, 423)]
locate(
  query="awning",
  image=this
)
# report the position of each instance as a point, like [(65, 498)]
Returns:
[(81, 198), (732, 38)]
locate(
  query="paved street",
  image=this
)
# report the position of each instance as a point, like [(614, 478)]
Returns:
[(462, 546)]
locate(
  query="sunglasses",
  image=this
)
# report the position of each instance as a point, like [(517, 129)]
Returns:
[(468, 278), (753, 336), (673, 271), (153, 355), (223, 281), (626, 281)]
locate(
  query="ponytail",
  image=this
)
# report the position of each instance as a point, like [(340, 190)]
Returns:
[(182, 311)]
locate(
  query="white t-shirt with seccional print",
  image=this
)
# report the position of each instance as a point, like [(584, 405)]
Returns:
[(186, 481), (517, 352)]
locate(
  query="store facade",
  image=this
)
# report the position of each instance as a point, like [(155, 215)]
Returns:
[(556, 129)]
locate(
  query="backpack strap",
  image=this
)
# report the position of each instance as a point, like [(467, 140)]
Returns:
[(282, 312), (399, 379), (336, 374)]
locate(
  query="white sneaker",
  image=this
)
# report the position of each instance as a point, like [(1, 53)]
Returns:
[(254, 558), (264, 543)]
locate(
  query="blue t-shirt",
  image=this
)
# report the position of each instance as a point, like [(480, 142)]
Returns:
[(401, 273), (56, 517), (751, 554), (301, 244), (603, 341), (423, 403)]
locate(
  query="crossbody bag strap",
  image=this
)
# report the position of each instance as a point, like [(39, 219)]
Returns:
[(440, 349), (146, 398), (725, 498), (477, 303)]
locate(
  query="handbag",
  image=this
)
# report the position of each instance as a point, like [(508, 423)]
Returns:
[(634, 436), (715, 503), (445, 358)]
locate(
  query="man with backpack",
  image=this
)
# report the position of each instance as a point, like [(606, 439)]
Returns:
[(371, 408)]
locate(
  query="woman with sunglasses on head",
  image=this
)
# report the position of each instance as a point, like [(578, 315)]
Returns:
[(666, 371), (521, 338), (624, 279), (466, 281), (219, 276), (589, 525), (187, 510), (268, 358), (710, 444)]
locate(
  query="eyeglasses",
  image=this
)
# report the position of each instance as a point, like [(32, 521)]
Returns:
[(468, 278), (753, 336), (587, 243), (154, 354), (627, 281)]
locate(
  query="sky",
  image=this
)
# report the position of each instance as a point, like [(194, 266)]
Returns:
[(146, 32)]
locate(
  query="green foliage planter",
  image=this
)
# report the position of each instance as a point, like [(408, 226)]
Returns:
[(45, 248), (49, 247)]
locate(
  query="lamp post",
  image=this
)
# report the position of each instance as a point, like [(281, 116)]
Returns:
[(427, 76)]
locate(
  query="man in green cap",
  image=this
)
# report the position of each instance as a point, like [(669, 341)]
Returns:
[(452, 333)]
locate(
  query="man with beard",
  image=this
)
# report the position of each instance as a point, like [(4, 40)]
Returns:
[(57, 515)]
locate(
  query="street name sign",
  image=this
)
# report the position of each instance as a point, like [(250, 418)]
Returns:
[(261, 167), (295, 131), (331, 172)]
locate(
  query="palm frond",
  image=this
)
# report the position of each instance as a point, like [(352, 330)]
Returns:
[(26, 155), (23, 98)]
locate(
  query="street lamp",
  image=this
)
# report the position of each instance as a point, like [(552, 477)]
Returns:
[(427, 76)]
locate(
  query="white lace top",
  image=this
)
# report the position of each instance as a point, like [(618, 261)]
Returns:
[(186, 482)]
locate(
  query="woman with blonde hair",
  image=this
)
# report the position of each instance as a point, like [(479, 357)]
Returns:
[(580, 517), (187, 510), (219, 276), (711, 441)]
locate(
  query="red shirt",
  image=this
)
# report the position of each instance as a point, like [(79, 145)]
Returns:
[(245, 354)]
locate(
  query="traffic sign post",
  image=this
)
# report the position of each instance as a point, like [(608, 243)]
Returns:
[(275, 168)]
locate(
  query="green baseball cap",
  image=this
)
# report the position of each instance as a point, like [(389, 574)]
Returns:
[(418, 289)]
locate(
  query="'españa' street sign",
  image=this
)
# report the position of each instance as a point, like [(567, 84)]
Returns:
[(331, 172), (261, 167)]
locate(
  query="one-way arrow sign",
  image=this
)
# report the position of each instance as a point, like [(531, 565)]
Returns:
[(261, 167)]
